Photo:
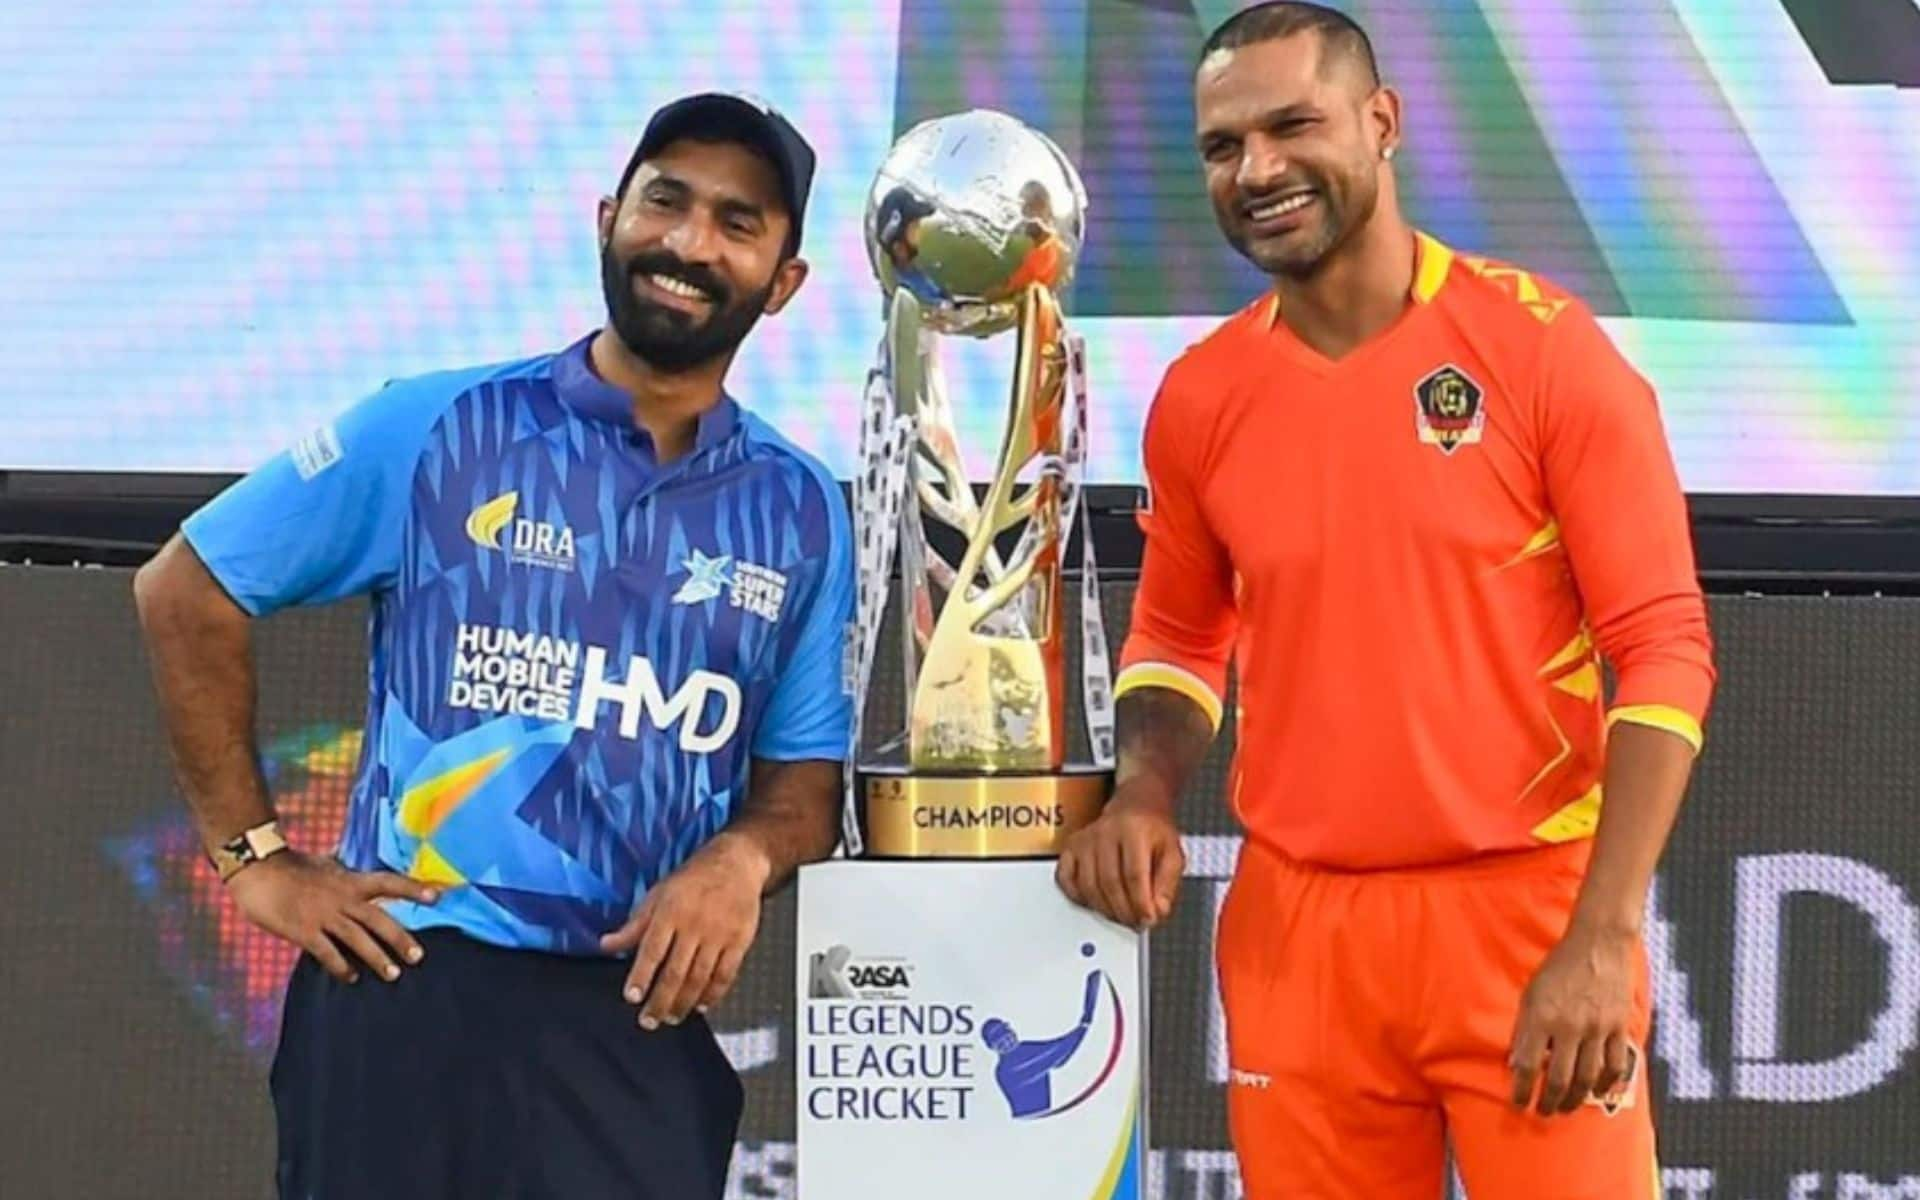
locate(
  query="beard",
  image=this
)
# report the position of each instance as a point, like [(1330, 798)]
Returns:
[(1341, 211), (668, 339)]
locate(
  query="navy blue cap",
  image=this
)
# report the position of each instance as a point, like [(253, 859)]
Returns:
[(736, 117)]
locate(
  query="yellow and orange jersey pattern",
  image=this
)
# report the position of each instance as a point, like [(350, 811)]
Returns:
[(1417, 557)]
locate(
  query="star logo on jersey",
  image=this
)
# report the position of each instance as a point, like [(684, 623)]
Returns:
[(707, 578), (1448, 409), (751, 587)]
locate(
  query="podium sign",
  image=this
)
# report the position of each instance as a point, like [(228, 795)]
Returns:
[(965, 1032)]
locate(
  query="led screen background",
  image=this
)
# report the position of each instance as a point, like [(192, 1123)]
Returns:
[(224, 222), (141, 1010)]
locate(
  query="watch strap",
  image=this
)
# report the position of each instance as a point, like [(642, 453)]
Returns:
[(249, 847)]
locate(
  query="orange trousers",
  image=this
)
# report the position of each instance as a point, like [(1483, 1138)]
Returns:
[(1369, 1018)]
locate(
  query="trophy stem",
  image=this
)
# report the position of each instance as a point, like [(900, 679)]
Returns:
[(991, 699)]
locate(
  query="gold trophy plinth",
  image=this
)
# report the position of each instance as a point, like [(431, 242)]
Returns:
[(974, 225), (904, 815)]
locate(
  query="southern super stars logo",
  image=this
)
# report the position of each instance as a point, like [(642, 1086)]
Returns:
[(706, 578), (759, 590)]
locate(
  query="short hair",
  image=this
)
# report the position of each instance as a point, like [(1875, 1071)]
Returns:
[(1341, 37)]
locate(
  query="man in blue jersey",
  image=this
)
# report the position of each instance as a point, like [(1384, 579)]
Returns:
[(605, 718)]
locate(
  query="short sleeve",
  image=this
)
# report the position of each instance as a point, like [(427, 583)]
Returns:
[(323, 519), (810, 714)]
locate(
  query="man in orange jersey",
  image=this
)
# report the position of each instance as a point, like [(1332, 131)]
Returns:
[(1417, 497)]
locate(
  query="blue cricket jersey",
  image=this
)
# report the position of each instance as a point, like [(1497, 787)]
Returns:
[(575, 650)]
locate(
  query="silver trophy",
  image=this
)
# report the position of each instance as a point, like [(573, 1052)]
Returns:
[(974, 225)]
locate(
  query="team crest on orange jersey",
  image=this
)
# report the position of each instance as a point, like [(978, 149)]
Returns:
[(1449, 412)]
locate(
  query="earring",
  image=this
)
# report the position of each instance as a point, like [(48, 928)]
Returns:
[(1386, 152)]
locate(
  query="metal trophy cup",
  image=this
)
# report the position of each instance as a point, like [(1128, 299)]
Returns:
[(974, 224), (961, 1028)]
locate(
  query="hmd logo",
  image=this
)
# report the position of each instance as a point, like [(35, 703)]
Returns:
[(535, 543), (498, 670), (640, 695)]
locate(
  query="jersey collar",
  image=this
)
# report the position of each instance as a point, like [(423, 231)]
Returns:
[(1432, 260), (583, 391)]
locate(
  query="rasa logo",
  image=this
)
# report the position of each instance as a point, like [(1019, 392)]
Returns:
[(835, 974), (535, 543)]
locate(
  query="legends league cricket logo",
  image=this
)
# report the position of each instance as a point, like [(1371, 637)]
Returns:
[(1025, 1071), (1025, 1067)]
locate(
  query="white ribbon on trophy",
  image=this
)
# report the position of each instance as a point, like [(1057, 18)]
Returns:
[(879, 494), (1096, 670)]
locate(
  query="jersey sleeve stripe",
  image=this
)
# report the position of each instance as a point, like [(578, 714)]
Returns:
[(1661, 716), (1178, 679)]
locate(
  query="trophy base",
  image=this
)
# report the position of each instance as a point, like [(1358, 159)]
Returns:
[(907, 814)]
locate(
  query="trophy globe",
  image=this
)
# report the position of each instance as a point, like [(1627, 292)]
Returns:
[(969, 209)]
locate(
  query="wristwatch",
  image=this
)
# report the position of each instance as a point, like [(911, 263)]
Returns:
[(262, 841)]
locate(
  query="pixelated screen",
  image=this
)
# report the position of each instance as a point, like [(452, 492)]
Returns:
[(1783, 931), (234, 972), (224, 222)]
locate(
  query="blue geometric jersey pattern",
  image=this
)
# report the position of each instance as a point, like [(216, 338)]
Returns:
[(574, 650)]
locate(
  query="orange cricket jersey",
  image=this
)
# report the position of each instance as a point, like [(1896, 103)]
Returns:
[(1416, 556), (1041, 265)]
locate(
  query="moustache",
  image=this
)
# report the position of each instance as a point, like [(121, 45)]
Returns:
[(662, 263)]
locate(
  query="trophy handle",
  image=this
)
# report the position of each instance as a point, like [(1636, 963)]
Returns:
[(940, 482), (988, 696)]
